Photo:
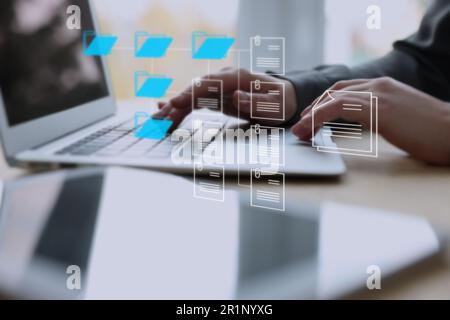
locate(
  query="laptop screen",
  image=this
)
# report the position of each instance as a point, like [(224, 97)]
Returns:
[(42, 66)]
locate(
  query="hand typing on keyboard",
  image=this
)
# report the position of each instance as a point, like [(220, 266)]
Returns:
[(237, 87)]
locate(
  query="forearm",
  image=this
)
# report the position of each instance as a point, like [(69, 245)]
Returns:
[(421, 61), (397, 64)]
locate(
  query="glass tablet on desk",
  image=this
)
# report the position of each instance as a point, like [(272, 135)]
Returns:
[(131, 234)]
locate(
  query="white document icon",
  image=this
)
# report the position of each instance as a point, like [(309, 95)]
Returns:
[(267, 100), (348, 137), (207, 94), (267, 190), (267, 54), (209, 183), (267, 147)]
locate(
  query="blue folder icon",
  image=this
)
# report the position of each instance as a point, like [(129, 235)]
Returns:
[(150, 86), (150, 46), (206, 46), (100, 45), (155, 129)]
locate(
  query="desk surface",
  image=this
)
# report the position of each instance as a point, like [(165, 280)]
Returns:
[(391, 182)]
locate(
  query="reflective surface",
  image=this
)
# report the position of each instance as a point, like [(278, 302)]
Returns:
[(145, 236)]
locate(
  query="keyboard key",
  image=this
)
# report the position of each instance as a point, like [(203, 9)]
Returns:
[(92, 143), (140, 148), (120, 139)]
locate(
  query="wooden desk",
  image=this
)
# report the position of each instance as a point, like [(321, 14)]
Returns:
[(392, 182)]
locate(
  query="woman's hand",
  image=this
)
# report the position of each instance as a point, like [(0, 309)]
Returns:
[(408, 118), (236, 92)]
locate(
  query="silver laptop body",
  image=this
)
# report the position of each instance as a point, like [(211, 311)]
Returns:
[(60, 109)]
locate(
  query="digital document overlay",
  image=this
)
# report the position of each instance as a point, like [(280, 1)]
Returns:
[(349, 137)]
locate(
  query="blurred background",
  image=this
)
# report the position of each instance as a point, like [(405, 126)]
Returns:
[(316, 32)]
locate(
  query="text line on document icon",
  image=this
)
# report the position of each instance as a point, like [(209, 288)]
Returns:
[(267, 54), (348, 137), (207, 94), (267, 190), (209, 182), (267, 100)]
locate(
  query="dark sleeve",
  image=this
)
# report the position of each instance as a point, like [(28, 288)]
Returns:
[(421, 61)]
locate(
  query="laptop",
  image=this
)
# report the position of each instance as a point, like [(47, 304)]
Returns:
[(57, 105)]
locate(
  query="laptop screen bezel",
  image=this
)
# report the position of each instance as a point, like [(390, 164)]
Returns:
[(37, 132)]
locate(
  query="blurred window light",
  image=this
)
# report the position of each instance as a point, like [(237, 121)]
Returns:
[(174, 18), (349, 41)]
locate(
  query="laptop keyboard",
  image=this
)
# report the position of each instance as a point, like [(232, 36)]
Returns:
[(121, 140)]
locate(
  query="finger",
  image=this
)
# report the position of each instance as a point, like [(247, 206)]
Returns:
[(340, 85), (335, 110), (307, 110), (183, 102), (330, 112), (242, 101), (265, 105), (177, 116), (161, 104), (164, 111), (228, 77), (226, 69), (303, 128), (232, 105), (324, 98), (359, 86)]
